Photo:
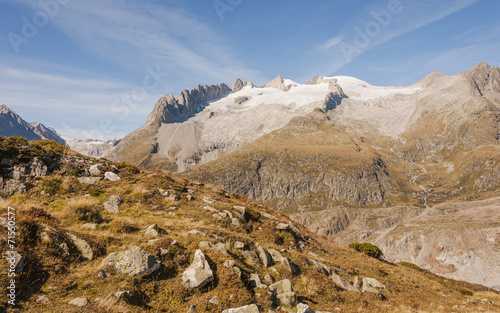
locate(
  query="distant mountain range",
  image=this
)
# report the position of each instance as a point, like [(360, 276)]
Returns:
[(11, 124)]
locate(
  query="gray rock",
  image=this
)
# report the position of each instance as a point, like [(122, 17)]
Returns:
[(229, 263), (196, 232), (255, 282), (283, 292), (198, 274), (235, 222), (164, 193), (38, 168), (240, 100), (214, 300), (322, 268), (152, 230), (121, 294), (251, 257), (370, 289), (252, 308), (82, 246), (304, 308), (208, 200), (237, 271), (20, 173), (269, 279), (342, 283), (283, 226), (17, 259), (79, 302), (239, 245), (205, 245), (133, 262), (487, 301), (12, 186), (111, 176), (189, 197), (175, 198), (287, 298), (113, 204), (92, 226), (289, 265), (42, 300), (265, 257), (372, 282), (192, 308), (102, 274), (275, 255), (88, 180), (95, 169), (267, 215), (209, 208), (357, 283)]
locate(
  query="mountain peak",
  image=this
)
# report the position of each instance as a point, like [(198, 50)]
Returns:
[(4, 109), (483, 78)]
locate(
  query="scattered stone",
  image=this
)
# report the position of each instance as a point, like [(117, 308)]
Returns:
[(198, 274), (269, 279), (196, 232), (113, 203), (64, 247), (214, 300), (255, 282), (192, 309), (367, 281), (82, 246), (289, 265), (267, 215), (265, 257), (235, 222), (283, 292), (459, 306), (88, 180), (237, 271), (164, 193), (218, 238), (303, 308), (239, 245), (152, 230), (12, 186), (229, 263), (209, 208), (342, 283), (252, 308), (102, 274), (283, 226), (487, 301), (134, 261), (42, 300), (322, 268), (357, 283), (189, 197), (205, 245), (275, 255), (111, 176), (208, 200), (146, 191), (175, 198), (18, 260), (228, 213), (79, 302), (92, 226), (95, 169), (251, 257), (370, 289), (121, 294)]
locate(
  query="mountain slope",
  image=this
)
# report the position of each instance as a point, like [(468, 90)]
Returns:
[(12, 124), (80, 244)]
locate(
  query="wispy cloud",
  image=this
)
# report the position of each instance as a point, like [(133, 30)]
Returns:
[(379, 23)]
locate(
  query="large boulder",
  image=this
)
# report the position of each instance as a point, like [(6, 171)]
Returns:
[(252, 308), (111, 176), (342, 283), (133, 262), (198, 274), (38, 168), (113, 204), (79, 302)]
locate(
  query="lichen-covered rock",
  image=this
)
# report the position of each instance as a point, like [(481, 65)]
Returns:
[(79, 302), (275, 255), (113, 204), (38, 168), (368, 281), (251, 257), (133, 262), (321, 267), (289, 265), (265, 257), (255, 282), (304, 308), (198, 274), (111, 176), (152, 230), (283, 292), (95, 169)]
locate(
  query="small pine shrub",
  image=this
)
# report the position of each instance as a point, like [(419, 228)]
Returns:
[(368, 249)]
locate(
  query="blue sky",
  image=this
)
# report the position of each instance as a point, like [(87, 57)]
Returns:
[(95, 68)]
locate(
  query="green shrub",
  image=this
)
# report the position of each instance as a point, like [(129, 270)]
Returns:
[(72, 169), (129, 167), (410, 265), (368, 249), (52, 185)]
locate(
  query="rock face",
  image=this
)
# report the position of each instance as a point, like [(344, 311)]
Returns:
[(198, 273), (133, 262)]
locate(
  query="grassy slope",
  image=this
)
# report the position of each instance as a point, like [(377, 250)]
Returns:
[(63, 277)]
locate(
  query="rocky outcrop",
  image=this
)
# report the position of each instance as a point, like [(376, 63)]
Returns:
[(342, 283), (198, 273), (133, 262), (239, 84), (169, 109), (283, 292)]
